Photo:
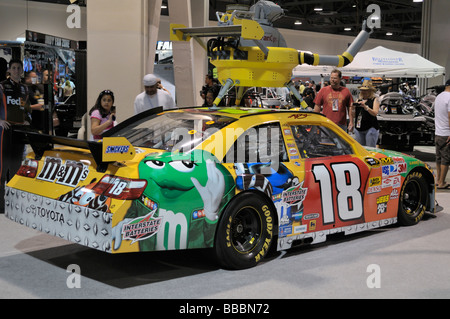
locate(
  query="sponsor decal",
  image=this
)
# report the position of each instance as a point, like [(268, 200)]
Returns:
[(142, 227), (148, 202), (372, 161), (402, 168), (386, 160), (198, 214), (375, 181), (387, 182), (374, 189), (300, 229), (396, 181), (294, 195), (298, 116), (398, 159), (68, 173), (50, 214), (393, 170), (311, 216), (394, 194), (389, 170), (285, 230), (119, 149), (382, 204)]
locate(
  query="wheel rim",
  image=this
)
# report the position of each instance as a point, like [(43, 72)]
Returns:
[(411, 200), (246, 230)]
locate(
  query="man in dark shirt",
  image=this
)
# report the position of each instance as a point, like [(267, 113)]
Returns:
[(14, 110)]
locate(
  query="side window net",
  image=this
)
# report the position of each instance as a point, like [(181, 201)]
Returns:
[(319, 141)]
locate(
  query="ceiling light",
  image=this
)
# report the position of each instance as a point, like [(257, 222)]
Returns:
[(297, 22), (389, 33), (347, 29), (417, 0), (163, 6), (318, 9)]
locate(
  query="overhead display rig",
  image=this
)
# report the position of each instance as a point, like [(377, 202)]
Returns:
[(249, 52)]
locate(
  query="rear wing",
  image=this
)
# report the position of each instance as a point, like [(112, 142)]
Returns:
[(108, 150)]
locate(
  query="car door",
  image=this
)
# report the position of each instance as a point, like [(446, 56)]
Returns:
[(263, 161), (335, 179)]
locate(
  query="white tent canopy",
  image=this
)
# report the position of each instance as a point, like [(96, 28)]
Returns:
[(379, 62)]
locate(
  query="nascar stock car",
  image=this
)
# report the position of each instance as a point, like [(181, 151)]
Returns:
[(234, 180)]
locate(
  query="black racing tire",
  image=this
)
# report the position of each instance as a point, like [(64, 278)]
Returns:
[(413, 199), (245, 232)]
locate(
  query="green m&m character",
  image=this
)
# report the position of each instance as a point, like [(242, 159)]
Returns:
[(180, 205)]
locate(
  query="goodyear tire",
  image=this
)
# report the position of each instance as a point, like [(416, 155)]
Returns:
[(413, 199), (245, 232)]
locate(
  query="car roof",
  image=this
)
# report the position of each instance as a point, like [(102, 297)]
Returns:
[(234, 112), (240, 112)]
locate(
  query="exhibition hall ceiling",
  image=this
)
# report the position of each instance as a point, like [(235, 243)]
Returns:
[(401, 20)]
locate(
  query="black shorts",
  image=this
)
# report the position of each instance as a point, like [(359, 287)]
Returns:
[(442, 150)]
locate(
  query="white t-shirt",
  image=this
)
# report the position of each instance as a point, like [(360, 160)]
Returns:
[(145, 102), (441, 110)]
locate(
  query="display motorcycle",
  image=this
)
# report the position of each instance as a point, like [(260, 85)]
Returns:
[(406, 121)]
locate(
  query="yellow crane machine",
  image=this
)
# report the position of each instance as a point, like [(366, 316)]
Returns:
[(249, 52)]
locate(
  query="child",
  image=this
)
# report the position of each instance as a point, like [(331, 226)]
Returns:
[(102, 114)]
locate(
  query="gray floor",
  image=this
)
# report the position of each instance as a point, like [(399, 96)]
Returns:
[(409, 262)]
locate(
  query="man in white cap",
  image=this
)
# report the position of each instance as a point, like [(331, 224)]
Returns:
[(152, 97)]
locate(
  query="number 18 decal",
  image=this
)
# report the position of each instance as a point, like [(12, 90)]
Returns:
[(347, 192)]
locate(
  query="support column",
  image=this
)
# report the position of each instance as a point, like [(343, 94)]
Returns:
[(184, 52), (154, 15), (200, 18), (435, 43), (116, 42)]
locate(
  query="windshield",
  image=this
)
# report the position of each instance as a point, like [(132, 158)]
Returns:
[(173, 131)]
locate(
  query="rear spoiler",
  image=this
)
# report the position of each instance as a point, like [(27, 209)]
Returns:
[(108, 150)]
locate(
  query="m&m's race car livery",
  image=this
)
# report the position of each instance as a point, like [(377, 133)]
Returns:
[(236, 180)]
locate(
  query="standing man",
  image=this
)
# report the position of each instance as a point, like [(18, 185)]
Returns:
[(209, 85), (152, 96), (442, 135), (336, 102), (16, 94), (14, 110)]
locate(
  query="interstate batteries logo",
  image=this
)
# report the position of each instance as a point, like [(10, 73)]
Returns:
[(294, 195), (142, 227)]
